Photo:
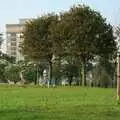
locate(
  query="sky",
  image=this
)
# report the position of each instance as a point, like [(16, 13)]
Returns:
[(13, 10)]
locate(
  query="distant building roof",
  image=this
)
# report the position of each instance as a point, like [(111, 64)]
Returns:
[(14, 28)]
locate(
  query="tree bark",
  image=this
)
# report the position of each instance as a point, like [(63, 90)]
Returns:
[(84, 74), (50, 72), (70, 80), (35, 81)]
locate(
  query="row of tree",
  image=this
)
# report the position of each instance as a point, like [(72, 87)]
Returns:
[(78, 43), (102, 73), (73, 38)]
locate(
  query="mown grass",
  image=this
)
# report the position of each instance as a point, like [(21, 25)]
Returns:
[(76, 103)]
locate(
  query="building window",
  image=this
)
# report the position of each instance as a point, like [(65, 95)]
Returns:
[(13, 53), (13, 48), (13, 44)]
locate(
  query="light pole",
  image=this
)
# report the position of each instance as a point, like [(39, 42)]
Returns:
[(118, 77)]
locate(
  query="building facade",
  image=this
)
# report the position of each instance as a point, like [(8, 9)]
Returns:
[(13, 39), (1, 40)]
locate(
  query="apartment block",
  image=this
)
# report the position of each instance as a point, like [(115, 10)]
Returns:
[(13, 38), (1, 40)]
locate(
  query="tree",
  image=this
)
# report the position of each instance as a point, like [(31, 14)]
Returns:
[(56, 72), (12, 73), (70, 71), (5, 61), (9, 59), (37, 45), (2, 72), (30, 74), (109, 67), (31, 71), (101, 77), (83, 33)]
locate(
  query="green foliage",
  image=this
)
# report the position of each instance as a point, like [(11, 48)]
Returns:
[(37, 44), (12, 73), (84, 33), (31, 70), (5, 61), (70, 71), (2, 72), (56, 73), (80, 33), (101, 77), (104, 73), (30, 75), (108, 65)]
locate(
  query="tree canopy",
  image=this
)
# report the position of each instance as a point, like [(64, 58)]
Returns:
[(84, 33), (81, 33)]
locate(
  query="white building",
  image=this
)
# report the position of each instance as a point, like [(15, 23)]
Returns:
[(13, 39)]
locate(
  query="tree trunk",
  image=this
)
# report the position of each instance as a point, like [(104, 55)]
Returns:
[(79, 77), (35, 75), (58, 66), (84, 74), (15, 82), (70, 80), (50, 72), (35, 81)]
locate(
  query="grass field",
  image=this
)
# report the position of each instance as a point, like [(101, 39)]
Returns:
[(17, 103)]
